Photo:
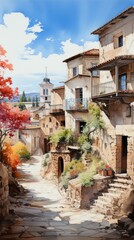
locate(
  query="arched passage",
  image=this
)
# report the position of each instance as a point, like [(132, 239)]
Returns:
[(60, 166)]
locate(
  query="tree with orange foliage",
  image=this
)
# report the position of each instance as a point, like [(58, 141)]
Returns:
[(9, 157), (11, 118)]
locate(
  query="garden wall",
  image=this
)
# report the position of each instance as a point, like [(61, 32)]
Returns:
[(3, 191), (82, 197)]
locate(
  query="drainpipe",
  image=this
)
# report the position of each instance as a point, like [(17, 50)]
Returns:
[(116, 78)]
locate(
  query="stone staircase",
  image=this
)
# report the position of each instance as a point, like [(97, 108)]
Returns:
[(108, 202)]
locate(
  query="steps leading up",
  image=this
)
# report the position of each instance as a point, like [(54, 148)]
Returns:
[(106, 203)]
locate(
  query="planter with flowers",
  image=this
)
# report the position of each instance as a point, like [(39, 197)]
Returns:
[(110, 171), (105, 170)]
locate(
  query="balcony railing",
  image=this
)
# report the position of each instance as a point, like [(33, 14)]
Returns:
[(110, 87), (76, 104), (55, 109), (103, 88)]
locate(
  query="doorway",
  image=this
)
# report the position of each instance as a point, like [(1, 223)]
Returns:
[(79, 95), (124, 154), (60, 166), (46, 145)]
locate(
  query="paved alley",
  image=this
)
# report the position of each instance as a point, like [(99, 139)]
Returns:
[(42, 213)]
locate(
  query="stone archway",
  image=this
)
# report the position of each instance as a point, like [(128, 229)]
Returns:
[(60, 166), (59, 159)]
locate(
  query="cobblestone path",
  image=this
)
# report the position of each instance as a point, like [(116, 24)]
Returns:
[(42, 213)]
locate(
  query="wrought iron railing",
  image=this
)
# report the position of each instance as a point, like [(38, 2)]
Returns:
[(78, 104)]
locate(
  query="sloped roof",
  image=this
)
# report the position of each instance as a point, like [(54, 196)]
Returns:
[(58, 88), (92, 52), (121, 60), (114, 20)]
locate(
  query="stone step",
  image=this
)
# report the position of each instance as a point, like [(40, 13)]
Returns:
[(105, 199), (98, 209), (122, 175), (122, 180), (115, 190), (101, 203), (112, 195), (119, 185)]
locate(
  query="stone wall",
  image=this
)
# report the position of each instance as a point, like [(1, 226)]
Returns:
[(130, 158), (82, 197), (3, 191)]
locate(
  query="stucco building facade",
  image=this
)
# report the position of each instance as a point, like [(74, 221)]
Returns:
[(78, 88), (114, 90)]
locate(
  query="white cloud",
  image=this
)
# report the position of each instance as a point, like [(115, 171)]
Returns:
[(16, 37), (51, 39), (36, 28)]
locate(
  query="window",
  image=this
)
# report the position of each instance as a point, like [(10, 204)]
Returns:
[(62, 123), (45, 91), (46, 98), (81, 126), (118, 40), (50, 120), (75, 71), (123, 82), (79, 95), (43, 125), (95, 72)]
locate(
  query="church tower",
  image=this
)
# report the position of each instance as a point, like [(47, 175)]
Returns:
[(45, 90)]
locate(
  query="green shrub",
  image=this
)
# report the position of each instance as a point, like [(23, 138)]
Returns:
[(22, 150), (46, 159), (76, 165), (64, 180), (62, 136), (72, 169), (86, 178)]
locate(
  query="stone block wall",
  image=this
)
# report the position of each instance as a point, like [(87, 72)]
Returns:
[(130, 158), (55, 155), (82, 197), (3, 191)]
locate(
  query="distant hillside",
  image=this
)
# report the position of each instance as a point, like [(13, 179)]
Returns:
[(31, 95)]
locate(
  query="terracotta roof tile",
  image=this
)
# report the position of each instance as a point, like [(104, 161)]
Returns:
[(92, 52)]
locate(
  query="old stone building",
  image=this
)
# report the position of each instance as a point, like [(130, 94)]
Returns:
[(78, 88), (114, 90), (55, 118)]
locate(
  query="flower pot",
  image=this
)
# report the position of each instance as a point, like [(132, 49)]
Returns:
[(110, 172), (100, 171), (104, 172)]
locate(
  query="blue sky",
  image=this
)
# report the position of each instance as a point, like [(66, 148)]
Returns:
[(40, 33)]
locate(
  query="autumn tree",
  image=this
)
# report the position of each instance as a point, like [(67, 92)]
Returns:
[(11, 118)]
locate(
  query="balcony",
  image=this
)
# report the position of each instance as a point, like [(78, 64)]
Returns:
[(57, 109), (107, 91), (77, 104), (103, 88)]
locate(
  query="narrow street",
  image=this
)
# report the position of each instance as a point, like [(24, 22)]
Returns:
[(42, 213)]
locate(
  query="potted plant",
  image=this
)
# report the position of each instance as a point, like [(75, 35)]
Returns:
[(109, 171), (104, 172)]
